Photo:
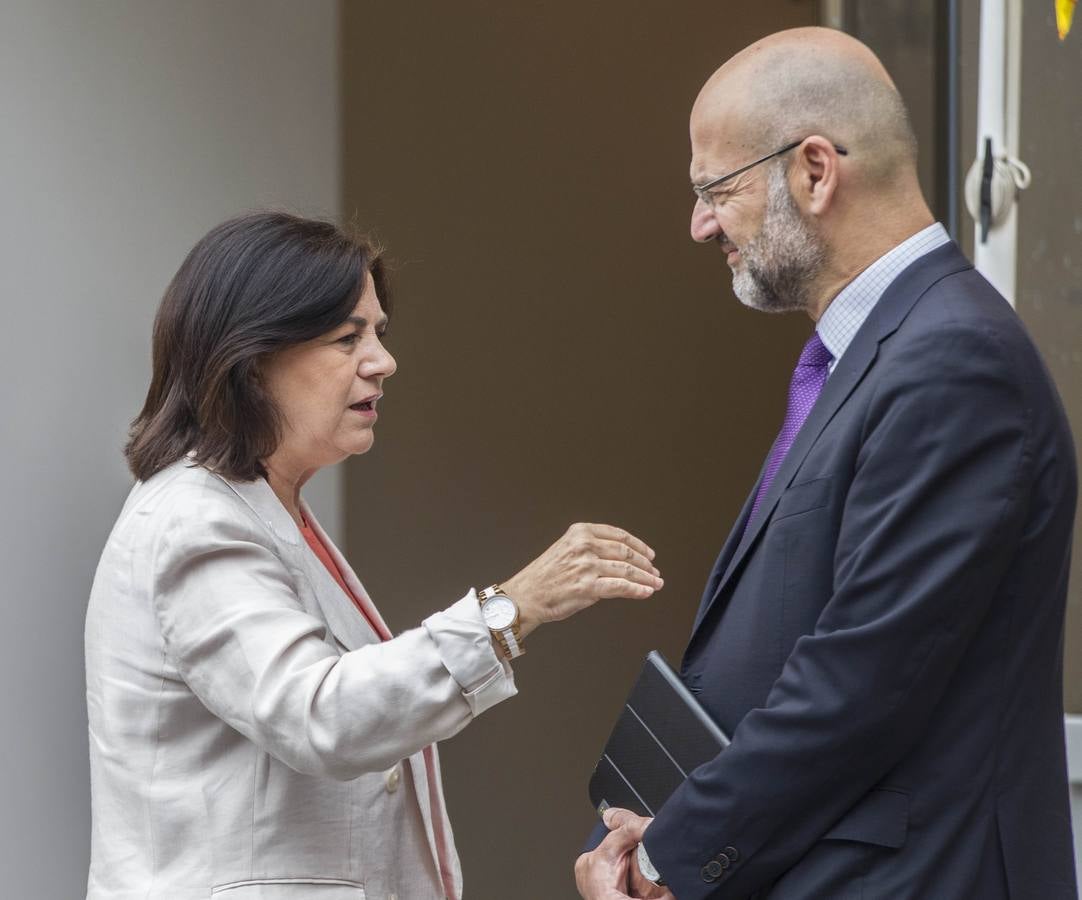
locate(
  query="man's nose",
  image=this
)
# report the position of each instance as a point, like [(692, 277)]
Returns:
[(704, 224)]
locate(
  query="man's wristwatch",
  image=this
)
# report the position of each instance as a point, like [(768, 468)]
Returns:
[(647, 868), (500, 613)]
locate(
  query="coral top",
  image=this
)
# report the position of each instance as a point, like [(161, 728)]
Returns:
[(321, 551)]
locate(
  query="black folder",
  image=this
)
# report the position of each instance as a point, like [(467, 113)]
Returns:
[(660, 736)]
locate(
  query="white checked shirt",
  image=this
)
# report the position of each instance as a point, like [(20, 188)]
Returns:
[(847, 312)]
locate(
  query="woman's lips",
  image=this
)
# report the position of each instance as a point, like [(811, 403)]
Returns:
[(366, 408)]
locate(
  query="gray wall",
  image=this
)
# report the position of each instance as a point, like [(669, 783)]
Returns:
[(127, 129)]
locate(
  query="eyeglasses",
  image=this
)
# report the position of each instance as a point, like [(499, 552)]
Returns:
[(703, 191)]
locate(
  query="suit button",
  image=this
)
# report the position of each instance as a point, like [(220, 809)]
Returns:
[(732, 853), (712, 871), (393, 778)]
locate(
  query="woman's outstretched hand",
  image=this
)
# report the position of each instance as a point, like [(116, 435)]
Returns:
[(589, 563)]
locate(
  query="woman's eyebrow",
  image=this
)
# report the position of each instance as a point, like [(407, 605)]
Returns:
[(362, 322)]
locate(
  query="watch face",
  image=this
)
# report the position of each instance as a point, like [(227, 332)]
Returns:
[(498, 612), (647, 867)]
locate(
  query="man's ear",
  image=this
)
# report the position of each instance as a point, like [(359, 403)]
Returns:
[(815, 174)]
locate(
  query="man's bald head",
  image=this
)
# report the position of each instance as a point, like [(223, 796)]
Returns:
[(807, 81)]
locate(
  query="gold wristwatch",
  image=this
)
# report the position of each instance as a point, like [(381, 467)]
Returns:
[(500, 613)]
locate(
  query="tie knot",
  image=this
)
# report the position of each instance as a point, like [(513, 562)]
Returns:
[(815, 353)]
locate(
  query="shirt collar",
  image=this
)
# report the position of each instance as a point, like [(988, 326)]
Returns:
[(847, 311)]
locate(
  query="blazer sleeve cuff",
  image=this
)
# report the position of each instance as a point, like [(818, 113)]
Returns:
[(462, 640)]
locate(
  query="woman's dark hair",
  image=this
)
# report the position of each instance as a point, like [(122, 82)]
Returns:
[(254, 285)]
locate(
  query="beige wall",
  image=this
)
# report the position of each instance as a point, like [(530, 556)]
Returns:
[(565, 352)]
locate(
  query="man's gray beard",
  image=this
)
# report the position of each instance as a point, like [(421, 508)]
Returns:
[(778, 265)]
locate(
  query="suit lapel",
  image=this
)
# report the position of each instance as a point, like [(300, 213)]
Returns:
[(892, 308), (727, 550), (846, 375)]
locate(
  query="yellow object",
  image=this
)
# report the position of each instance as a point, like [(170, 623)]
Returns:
[(1064, 15)]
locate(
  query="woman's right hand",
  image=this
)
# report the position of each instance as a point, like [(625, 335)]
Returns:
[(589, 563)]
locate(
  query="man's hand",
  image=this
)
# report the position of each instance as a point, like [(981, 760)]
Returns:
[(604, 874)]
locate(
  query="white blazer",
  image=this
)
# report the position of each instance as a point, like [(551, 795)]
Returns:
[(251, 738)]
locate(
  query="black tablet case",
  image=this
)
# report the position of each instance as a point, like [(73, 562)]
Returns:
[(661, 734)]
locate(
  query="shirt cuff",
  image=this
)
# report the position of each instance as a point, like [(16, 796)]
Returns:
[(463, 642)]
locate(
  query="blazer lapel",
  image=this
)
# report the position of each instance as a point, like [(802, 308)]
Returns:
[(884, 319), (430, 799), (355, 632), (266, 505), (355, 627), (341, 616)]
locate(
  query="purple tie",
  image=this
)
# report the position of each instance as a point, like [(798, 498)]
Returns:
[(808, 379)]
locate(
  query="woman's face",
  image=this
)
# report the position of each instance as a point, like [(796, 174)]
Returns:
[(327, 389)]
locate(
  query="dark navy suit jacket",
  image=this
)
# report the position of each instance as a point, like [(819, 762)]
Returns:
[(884, 643)]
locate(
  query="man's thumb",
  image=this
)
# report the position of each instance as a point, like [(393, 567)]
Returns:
[(614, 817)]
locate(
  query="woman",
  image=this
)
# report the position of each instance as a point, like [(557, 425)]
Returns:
[(255, 730)]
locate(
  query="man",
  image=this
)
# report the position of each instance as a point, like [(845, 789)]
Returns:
[(882, 632)]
